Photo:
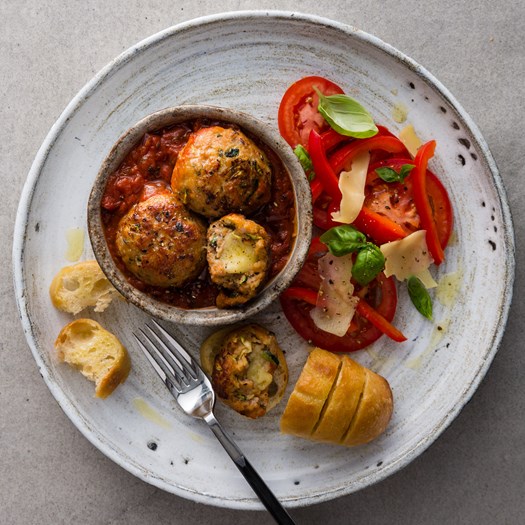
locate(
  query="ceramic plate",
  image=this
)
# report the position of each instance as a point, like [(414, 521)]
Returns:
[(246, 61)]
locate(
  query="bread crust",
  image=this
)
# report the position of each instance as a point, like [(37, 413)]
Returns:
[(310, 393), (79, 286), (337, 400), (373, 412), (342, 402), (96, 353)]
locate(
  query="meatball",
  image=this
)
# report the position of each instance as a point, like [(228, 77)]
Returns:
[(220, 171), (161, 242), (249, 371), (238, 254)]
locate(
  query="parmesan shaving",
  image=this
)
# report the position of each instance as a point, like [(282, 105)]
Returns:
[(426, 278), (352, 186), (409, 138), (409, 256), (336, 303)]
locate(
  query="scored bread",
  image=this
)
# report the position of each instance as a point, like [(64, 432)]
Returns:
[(337, 400), (96, 353), (375, 410), (81, 285), (342, 402), (309, 394)]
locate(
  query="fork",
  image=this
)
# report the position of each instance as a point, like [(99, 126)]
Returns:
[(192, 389)]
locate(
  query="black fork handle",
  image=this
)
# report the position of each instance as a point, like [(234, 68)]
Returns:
[(268, 499)]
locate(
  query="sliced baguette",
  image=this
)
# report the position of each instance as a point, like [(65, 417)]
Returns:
[(96, 353), (310, 393), (337, 400), (80, 285), (373, 412), (342, 403)]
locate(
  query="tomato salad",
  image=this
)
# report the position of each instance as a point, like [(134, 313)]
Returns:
[(403, 206)]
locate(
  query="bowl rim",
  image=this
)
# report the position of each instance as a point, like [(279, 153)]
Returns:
[(303, 214)]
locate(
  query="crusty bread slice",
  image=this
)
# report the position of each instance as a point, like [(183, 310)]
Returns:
[(310, 393), (96, 353), (342, 402), (81, 285), (337, 400), (373, 412)]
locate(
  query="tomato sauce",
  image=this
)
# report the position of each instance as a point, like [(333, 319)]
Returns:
[(147, 170)]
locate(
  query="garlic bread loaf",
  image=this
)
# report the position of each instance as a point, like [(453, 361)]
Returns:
[(337, 400), (96, 353), (80, 285), (309, 395)]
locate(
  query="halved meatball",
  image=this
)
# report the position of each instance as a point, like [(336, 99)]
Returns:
[(161, 242), (238, 255), (249, 370), (220, 171)]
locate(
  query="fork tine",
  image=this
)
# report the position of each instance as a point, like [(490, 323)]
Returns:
[(181, 368), (157, 361), (176, 350)]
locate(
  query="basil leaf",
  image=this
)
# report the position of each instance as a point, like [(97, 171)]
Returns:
[(420, 296), (305, 160), (369, 262), (346, 116), (391, 175), (343, 239)]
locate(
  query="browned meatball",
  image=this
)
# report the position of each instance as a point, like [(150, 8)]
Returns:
[(249, 370), (238, 255), (162, 243), (220, 171)]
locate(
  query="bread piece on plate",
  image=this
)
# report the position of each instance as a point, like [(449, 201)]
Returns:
[(373, 413), (96, 353), (81, 285), (310, 393), (337, 400), (342, 402)]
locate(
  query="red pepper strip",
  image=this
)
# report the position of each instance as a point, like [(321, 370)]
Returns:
[(322, 168), (424, 210), (303, 294), (381, 130), (380, 228), (317, 188), (375, 318), (363, 309), (343, 156), (332, 138)]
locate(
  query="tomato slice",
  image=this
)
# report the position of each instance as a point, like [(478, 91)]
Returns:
[(298, 113), (395, 200), (381, 295)]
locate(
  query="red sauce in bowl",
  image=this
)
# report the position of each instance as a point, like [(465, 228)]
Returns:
[(147, 169)]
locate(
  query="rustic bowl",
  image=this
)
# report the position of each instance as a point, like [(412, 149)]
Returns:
[(211, 315)]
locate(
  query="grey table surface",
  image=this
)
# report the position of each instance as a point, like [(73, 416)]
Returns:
[(474, 473)]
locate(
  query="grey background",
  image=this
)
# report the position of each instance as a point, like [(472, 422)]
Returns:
[(474, 473)]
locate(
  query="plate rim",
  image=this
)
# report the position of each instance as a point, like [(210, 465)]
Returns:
[(22, 225)]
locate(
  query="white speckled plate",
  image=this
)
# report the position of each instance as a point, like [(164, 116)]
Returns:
[(247, 60)]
